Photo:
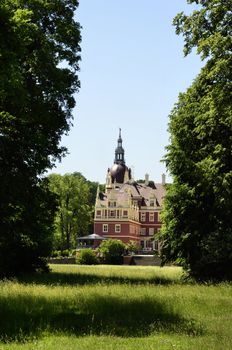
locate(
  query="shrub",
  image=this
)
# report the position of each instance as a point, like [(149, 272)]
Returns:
[(132, 246), (55, 253), (111, 251), (87, 257), (73, 252), (65, 253)]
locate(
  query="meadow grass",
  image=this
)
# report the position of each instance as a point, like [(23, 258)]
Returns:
[(112, 307)]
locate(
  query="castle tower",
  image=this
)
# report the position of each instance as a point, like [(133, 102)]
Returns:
[(119, 172), (119, 151)]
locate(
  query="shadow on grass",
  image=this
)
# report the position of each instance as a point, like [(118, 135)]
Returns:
[(59, 278), (25, 317)]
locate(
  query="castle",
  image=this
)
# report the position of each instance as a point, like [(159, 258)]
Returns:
[(129, 210)]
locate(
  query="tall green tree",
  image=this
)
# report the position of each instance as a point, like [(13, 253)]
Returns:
[(39, 58), (197, 217), (75, 208)]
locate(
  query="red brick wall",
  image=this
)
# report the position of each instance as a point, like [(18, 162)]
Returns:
[(147, 221), (125, 235)]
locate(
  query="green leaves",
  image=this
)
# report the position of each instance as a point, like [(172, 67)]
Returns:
[(111, 251), (208, 29), (37, 39), (197, 217), (75, 209)]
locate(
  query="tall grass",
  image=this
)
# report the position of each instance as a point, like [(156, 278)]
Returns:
[(108, 274), (117, 307)]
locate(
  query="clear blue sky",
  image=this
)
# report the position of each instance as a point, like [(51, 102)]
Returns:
[(132, 71)]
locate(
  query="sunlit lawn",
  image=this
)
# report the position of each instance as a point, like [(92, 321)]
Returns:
[(114, 307)]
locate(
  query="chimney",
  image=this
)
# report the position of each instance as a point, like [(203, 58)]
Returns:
[(146, 179), (163, 179)]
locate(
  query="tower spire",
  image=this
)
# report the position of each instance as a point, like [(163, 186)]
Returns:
[(119, 151)]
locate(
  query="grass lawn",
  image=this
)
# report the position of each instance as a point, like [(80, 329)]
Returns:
[(114, 308)]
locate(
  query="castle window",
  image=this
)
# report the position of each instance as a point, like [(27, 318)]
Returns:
[(143, 231), (156, 245), (151, 217), (117, 228), (112, 204), (143, 217), (98, 214), (151, 231), (112, 213), (105, 228), (152, 202), (125, 213)]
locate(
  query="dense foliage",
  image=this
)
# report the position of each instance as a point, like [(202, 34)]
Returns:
[(74, 217), (39, 55), (87, 256), (111, 251), (132, 246), (197, 220)]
